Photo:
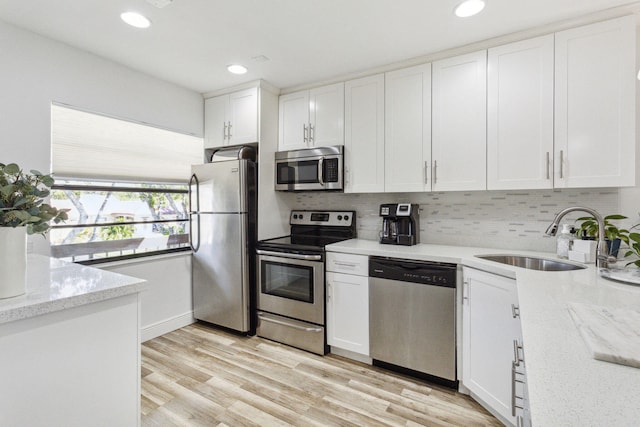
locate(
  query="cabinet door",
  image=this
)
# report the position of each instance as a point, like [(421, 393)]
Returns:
[(520, 115), (293, 121), (243, 116), (459, 123), (488, 331), (326, 115), (595, 105), (348, 312), (364, 135), (408, 129), (215, 121)]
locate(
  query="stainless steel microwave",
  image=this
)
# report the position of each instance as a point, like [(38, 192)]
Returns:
[(311, 169)]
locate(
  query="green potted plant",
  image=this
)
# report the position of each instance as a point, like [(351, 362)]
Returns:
[(22, 212), (634, 246), (588, 230)]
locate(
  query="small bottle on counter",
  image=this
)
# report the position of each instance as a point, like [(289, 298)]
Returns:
[(564, 241)]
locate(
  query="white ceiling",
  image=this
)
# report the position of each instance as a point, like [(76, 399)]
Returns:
[(191, 41)]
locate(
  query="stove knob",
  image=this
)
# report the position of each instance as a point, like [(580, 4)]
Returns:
[(300, 216), (346, 217), (295, 216), (339, 217)]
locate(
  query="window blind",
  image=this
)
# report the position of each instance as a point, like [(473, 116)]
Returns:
[(92, 146)]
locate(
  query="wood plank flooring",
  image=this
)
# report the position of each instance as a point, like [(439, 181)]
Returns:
[(201, 376)]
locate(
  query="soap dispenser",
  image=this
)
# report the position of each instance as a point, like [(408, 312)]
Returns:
[(564, 241)]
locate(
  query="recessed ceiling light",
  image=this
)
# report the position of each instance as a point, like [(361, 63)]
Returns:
[(135, 19), (236, 69), (469, 8)]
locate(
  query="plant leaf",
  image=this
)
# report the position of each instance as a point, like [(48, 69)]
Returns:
[(12, 169)]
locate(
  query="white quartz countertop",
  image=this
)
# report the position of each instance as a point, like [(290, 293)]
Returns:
[(54, 285), (566, 386)]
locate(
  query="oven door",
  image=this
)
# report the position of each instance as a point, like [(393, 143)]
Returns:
[(291, 285)]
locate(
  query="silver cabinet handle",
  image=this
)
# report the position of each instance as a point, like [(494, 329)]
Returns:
[(224, 132), (290, 325), (305, 134), (516, 353), (328, 290), (514, 396), (426, 175), (311, 133), (345, 264), (347, 176), (515, 311), (288, 255), (229, 130), (465, 291), (548, 165), (561, 164), (435, 172)]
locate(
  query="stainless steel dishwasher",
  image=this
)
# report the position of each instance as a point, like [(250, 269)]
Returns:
[(412, 317)]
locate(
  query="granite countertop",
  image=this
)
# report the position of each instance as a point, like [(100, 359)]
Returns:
[(566, 385), (54, 285)]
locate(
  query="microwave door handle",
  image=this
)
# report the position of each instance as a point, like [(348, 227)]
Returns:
[(320, 170)]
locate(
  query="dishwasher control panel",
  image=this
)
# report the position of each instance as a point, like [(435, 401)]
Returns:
[(424, 272)]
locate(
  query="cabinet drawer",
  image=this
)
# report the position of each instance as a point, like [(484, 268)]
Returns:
[(347, 263)]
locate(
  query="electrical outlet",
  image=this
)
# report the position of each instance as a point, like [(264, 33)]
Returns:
[(29, 247)]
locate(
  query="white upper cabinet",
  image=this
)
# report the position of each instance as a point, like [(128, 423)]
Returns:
[(215, 121), (595, 93), (231, 119), (459, 120), (294, 121), (408, 129), (312, 118), (520, 115), (364, 135), (326, 115)]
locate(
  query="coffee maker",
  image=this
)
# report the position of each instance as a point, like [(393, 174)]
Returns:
[(400, 224)]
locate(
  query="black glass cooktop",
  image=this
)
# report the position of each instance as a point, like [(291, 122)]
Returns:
[(307, 241)]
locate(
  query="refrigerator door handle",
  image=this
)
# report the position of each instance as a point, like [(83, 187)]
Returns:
[(194, 179)]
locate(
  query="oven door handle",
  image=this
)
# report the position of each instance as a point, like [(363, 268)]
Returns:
[(290, 325), (288, 255)]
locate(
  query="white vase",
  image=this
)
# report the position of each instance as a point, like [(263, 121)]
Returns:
[(13, 261)]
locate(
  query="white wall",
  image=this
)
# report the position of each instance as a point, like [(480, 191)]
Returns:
[(166, 303), (36, 71)]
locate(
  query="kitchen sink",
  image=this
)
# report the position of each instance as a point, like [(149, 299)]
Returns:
[(532, 263)]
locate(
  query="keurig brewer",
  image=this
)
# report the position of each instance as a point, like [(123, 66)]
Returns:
[(400, 224)]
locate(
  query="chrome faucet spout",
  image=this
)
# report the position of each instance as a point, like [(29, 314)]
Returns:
[(603, 259)]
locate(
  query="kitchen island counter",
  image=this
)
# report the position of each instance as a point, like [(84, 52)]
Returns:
[(54, 285), (71, 347), (566, 385)]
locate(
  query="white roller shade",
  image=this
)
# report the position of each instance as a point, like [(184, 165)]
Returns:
[(87, 145)]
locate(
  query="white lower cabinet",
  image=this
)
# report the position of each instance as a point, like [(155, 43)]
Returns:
[(348, 302), (491, 336)]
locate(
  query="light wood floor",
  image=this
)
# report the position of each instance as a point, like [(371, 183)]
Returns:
[(200, 376)]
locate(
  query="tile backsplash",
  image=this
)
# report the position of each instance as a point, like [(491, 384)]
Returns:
[(494, 219)]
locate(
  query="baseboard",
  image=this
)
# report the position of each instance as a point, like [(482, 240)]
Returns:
[(166, 326), (351, 355)]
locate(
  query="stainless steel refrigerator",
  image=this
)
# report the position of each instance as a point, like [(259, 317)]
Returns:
[(222, 199)]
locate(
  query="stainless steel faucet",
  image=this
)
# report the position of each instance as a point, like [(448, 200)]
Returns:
[(603, 259)]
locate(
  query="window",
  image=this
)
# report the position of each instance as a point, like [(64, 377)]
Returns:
[(124, 183), (109, 220)]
